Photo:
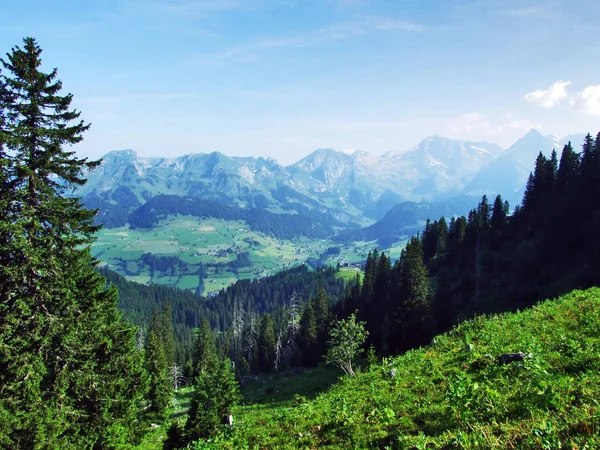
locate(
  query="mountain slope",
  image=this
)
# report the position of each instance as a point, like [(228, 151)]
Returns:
[(353, 187), (456, 393), (507, 175), (436, 168), (406, 219)]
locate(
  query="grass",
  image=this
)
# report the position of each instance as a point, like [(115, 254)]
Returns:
[(153, 440), (349, 273), (212, 242), (453, 393)]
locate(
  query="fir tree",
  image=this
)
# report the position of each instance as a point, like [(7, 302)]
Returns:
[(206, 353), (568, 169), (157, 365), (308, 336), (266, 344), (167, 334), (215, 393), (69, 373), (414, 320)]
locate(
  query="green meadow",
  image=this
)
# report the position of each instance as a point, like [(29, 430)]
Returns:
[(452, 394), (209, 248)]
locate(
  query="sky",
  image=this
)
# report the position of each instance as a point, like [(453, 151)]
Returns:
[(281, 78)]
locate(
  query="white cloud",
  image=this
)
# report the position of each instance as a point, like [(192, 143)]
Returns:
[(388, 24), (550, 97), (532, 12), (503, 129), (589, 100), (249, 52)]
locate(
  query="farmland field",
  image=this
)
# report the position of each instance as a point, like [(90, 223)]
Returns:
[(188, 252)]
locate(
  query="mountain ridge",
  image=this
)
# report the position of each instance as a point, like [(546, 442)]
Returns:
[(351, 187)]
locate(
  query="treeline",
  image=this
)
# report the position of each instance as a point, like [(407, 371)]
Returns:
[(283, 226), (267, 295)]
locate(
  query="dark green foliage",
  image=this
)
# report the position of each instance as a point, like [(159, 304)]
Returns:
[(308, 336), (175, 437), (284, 226), (266, 295), (205, 357), (69, 373), (168, 337), (413, 316), (215, 393), (157, 365), (273, 292), (266, 344), (568, 170)]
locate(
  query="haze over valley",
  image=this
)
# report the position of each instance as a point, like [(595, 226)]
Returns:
[(218, 219)]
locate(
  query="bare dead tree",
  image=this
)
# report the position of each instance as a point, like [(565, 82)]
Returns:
[(278, 351), (294, 319), (250, 336), (237, 331), (140, 339), (293, 330), (176, 375)]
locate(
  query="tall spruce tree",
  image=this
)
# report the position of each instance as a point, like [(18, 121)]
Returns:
[(168, 336), (414, 320), (215, 393), (308, 336), (266, 344), (205, 358), (157, 365), (69, 373), (215, 388)]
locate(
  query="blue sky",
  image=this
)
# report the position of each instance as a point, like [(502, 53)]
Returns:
[(280, 78)]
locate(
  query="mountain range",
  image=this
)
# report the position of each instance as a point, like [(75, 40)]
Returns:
[(349, 189)]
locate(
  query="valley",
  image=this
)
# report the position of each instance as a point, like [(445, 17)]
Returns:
[(188, 252), (204, 221)]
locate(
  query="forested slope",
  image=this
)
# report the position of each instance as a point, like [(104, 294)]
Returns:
[(456, 392)]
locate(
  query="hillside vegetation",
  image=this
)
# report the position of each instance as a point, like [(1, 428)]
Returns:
[(455, 393)]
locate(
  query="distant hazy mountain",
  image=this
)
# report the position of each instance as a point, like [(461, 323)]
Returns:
[(408, 218), (342, 188), (507, 175), (436, 168)]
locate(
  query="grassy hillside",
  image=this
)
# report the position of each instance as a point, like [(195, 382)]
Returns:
[(454, 393)]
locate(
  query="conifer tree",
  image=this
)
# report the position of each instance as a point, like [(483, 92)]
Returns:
[(321, 308), (69, 373), (308, 336), (168, 337), (160, 389), (206, 353), (215, 393), (414, 320), (568, 169), (266, 344), (215, 388)]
